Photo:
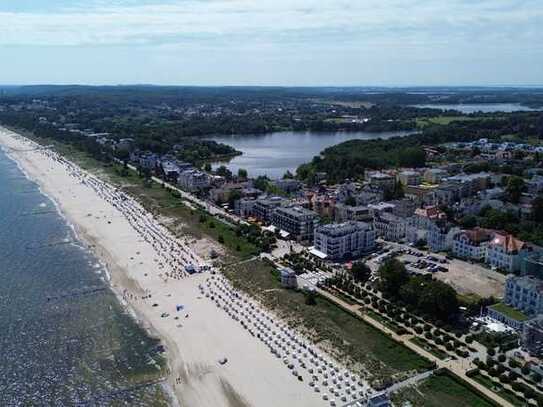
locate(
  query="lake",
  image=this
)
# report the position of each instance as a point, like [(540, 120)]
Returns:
[(274, 153), (480, 107)]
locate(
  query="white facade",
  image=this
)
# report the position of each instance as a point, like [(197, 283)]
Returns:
[(389, 226), (506, 252), (471, 244), (339, 240), (193, 180)]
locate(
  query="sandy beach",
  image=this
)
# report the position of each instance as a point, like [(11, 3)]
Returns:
[(146, 266)]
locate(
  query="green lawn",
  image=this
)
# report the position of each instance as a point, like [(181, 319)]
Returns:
[(441, 120), (509, 312), (348, 336), (434, 350), (442, 390), (386, 322), (161, 201), (506, 394)]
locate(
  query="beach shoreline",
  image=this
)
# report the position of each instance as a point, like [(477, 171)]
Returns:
[(194, 343)]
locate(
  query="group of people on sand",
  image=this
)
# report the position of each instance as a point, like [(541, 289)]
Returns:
[(173, 254), (322, 374), (306, 363)]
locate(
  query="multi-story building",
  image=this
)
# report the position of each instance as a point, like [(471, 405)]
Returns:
[(299, 222), (506, 252), (170, 170), (389, 226), (288, 185), (532, 265), (380, 207), (193, 180), (532, 336), (345, 240), (344, 213), (424, 218), (434, 175), (471, 244), (145, 160), (447, 193), (288, 278), (404, 208), (244, 207), (381, 179), (524, 293), (264, 207), (440, 236), (472, 183), (409, 177)]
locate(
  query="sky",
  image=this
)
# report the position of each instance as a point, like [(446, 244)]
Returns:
[(272, 42)]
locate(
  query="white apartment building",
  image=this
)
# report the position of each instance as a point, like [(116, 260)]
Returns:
[(506, 252), (341, 240), (471, 244), (389, 226)]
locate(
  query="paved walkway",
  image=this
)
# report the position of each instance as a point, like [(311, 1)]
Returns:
[(458, 367)]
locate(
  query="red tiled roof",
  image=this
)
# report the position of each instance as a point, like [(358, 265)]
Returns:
[(509, 242), (431, 212)]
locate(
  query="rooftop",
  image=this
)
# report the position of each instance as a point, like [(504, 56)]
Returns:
[(508, 242), (509, 312)]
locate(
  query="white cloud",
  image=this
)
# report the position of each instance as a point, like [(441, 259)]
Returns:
[(371, 23)]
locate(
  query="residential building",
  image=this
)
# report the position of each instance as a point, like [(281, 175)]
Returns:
[(369, 195), (418, 225), (506, 252), (532, 336), (223, 193), (472, 183), (145, 160), (532, 265), (345, 240), (389, 226), (507, 315), (288, 278), (404, 208), (345, 191), (447, 193), (344, 213), (193, 180), (524, 293), (299, 222), (170, 170), (440, 236), (264, 207), (434, 175), (409, 177), (471, 244), (382, 180), (244, 207), (380, 207), (288, 185), (420, 194)]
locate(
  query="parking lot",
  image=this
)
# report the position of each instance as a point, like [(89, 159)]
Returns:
[(465, 277)]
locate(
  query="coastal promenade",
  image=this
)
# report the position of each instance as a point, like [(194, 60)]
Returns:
[(458, 367)]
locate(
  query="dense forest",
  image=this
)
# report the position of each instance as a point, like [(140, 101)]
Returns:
[(160, 118), (351, 158)]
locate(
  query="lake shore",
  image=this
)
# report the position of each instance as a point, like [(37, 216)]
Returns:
[(202, 334)]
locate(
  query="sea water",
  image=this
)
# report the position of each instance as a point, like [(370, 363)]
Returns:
[(64, 338)]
